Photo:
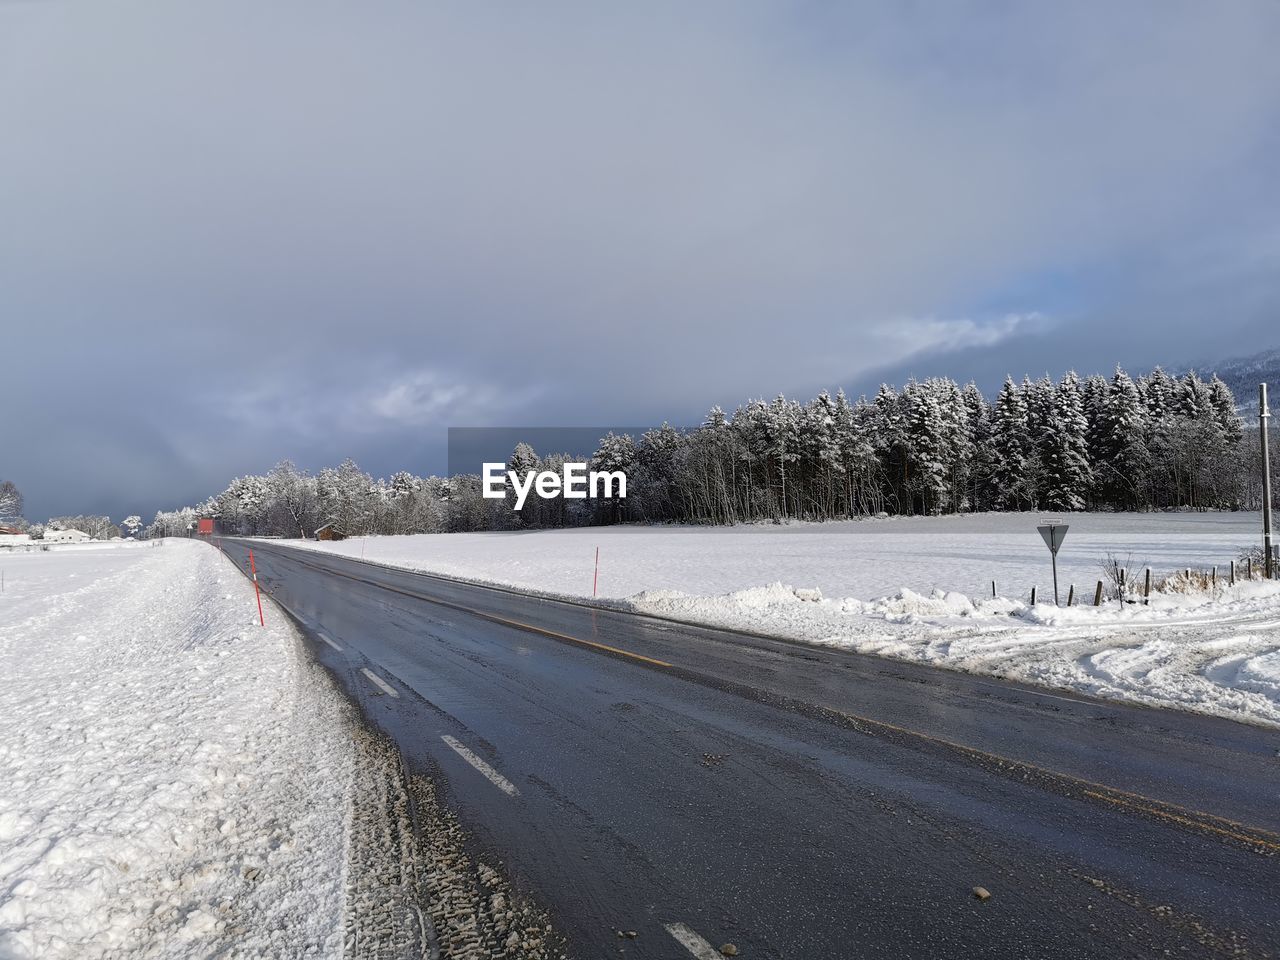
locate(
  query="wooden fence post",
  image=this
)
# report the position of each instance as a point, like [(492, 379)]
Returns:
[(1097, 595)]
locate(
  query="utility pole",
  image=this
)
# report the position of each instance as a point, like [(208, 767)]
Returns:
[(1263, 416)]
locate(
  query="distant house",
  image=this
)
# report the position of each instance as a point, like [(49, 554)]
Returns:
[(330, 531), (66, 536), (13, 535)]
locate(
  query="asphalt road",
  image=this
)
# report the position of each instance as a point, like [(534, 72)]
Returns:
[(701, 787)]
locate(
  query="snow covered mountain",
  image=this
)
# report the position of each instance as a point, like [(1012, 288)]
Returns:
[(1243, 374)]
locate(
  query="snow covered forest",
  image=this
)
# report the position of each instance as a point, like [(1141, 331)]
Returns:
[(1155, 443)]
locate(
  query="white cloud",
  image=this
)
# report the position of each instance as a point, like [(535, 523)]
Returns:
[(429, 398), (913, 336)]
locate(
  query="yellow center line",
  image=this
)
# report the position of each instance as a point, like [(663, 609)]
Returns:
[(520, 625), (1100, 791), (1197, 824)]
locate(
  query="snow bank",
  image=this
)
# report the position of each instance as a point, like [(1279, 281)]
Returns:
[(920, 589), (1219, 656), (175, 778)]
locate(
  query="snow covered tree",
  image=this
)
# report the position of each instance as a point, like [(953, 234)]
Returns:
[(291, 508), (1096, 394), (131, 525), (346, 496), (926, 444), (1124, 458), (978, 420), (823, 470), (1010, 449), (1067, 475), (1191, 398), (10, 502), (1157, 390), (658, 457), (861, 468), (1223, 404), (523, 460), (782, 437), (616, 452)]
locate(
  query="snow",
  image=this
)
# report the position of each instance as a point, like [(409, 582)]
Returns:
[(175, 777), (920, 589)]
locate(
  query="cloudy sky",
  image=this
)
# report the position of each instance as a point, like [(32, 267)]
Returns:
[(232, 233)]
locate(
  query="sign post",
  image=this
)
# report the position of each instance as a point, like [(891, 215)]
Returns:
[(253, 569), (1053, 532), (1263, 416)]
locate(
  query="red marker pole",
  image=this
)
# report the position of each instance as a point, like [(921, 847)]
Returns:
[(595, 581), (258, 593)]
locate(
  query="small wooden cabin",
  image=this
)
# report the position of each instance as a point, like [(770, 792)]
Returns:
[(330, 531)]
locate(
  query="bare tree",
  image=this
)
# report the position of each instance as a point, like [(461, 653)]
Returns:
[(1121, 574)]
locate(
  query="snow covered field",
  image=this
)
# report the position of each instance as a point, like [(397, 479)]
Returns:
[(919, 589), (174, 779)]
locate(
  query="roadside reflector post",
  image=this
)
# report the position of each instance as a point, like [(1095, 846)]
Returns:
[(1248, 566), (1033, 596), (1071, 594), (1097, 595), (595, 580), (1214, 575), (1233, 573), (993, 589), (256, 592), (1146, 590), (1053, 532), (1120, 592)]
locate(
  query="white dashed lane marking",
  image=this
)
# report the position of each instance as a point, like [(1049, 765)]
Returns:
[(386, 687), (693, 943), (490, 774), (326, 638)]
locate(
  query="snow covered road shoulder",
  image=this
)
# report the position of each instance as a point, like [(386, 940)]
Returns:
[(176, 779)]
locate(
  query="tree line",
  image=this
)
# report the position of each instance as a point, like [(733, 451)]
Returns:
[(98, 527), (932, 447)]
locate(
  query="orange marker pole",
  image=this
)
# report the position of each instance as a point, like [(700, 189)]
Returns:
[(258, 593)]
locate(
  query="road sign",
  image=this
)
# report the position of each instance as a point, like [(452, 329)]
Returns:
[(1053, 532)]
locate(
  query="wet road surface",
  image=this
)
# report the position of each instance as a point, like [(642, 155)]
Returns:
[(702, 787)]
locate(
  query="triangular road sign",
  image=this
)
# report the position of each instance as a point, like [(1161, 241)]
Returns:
[(1053, 535)]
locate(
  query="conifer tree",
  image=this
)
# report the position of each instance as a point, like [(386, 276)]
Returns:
[(1009, 448)]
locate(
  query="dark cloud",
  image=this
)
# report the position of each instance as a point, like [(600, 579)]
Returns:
[(238, 232)]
